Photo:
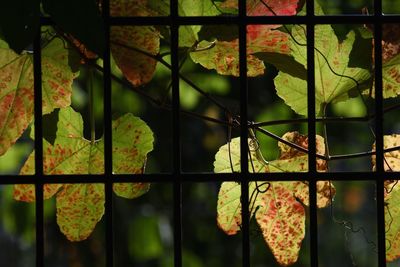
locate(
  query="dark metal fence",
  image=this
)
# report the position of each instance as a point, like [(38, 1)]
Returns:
[(177, 177)]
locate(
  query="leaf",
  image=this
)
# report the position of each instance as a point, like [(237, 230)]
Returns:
[(73, 154), (329, 87), (392, 158), (143, 8), (16, 88), (263, 8), (391, 77), (130, 44), (392, 224), (275, 205), (223, 56), (79, 208), (282, 221), (127, 42)]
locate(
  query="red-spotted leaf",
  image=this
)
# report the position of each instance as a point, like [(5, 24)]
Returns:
[(265, 7), (16, 88), (145, 8), (71, 153), (391, 77), (275, 205), (223, 56), (282, 221), (271, 7), (129, 46), (392, 158), (392, 223), (79, 208)]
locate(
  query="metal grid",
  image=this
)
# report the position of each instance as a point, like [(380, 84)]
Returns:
[(177, 177)]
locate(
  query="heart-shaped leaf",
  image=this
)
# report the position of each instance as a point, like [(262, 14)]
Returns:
[(275, 205), (333, 78), (16, 88), (81, 206)]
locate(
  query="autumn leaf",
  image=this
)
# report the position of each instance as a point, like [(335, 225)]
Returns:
[(275, 205), (223, 56), (271, 7), (130, 44), (391, 77), (16, 88), (392, 158), (392, 224), (334, 80), (71, 153)]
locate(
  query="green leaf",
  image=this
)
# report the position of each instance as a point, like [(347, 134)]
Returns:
[(392, 222), (224, 58), (197, 8), (329, 87), (391, 77), (79, 208), (142, 8), (275, 205), (188, 35), (16, 88), (73, 154)]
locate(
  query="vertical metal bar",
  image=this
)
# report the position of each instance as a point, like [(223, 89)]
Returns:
[(108, 137), (243, 134), (379, 134), (311, 135), (176, 135), (37, 68)]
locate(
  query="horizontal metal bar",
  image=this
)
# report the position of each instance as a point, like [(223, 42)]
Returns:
[(337, 19), (200, 177)]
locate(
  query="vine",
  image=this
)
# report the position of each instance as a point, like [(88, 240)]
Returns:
[(278, 207)]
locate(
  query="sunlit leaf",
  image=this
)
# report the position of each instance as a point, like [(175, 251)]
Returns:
[(392, 223), (16, 88), (392, 158), (282, 221), (333, 78), (275, 205), (79, 208), (223, 56), (71, 153), (391, 77)]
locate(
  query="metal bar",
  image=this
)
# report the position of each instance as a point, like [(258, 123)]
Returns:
[(108, 138), (199, 177), (37, 68), (335, 19), (311, 135), (243, 134), (379, 134), (177, 189)]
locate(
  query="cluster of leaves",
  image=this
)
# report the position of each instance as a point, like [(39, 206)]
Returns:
[(278, 207), (79, 206)]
